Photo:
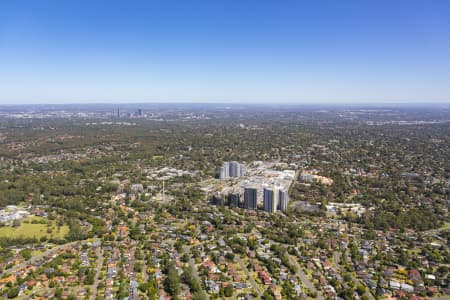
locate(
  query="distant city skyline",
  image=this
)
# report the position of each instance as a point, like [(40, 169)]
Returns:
[(243, 52)]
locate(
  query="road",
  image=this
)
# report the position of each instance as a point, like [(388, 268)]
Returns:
[(37, 258), (187, 250), (244, 268), (145, 267), (97, 272), (300, 274), (336, 258), (305, 281), (247, 273), (437, 230), (355, 280)]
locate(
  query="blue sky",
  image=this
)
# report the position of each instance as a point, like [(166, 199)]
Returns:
[(225, 51)]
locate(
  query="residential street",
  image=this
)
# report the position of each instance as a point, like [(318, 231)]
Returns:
[(306, 282), (38, 257), (187, 250), (247, 273), (97, 272)]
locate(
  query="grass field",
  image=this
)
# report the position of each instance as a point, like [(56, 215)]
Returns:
[(446, 226), (29, 230)]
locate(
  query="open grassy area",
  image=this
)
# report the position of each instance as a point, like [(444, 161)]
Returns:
[(29, 230), (446, 226)]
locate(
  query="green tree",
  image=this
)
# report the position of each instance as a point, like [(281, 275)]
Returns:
[(228, 291), (13, 292), (172, 281), (26, 254)]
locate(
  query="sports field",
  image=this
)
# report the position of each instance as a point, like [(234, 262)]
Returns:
[(29, 230)]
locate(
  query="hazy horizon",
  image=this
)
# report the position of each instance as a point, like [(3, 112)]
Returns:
[(148, 105)]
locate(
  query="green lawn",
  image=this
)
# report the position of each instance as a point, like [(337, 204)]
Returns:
[(445, 226), (29, 230)]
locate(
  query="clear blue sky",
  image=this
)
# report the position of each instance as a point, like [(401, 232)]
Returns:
[(224, 51)]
